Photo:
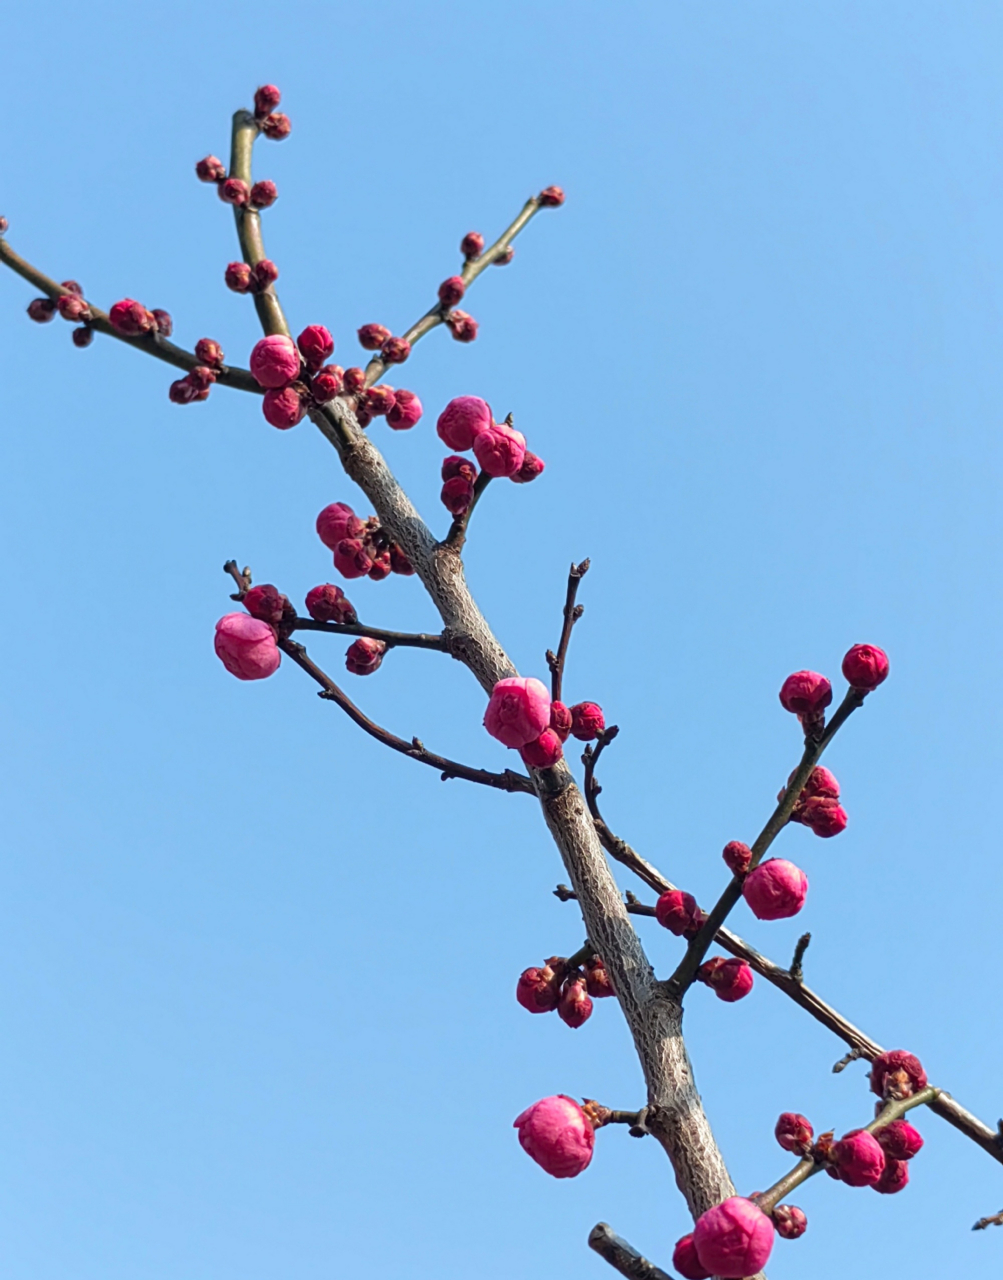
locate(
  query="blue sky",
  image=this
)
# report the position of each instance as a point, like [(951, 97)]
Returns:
[(258, 973)]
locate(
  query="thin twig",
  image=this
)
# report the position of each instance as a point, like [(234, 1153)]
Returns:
[(415, 749), (457, 534), (392, 639), (686, 971), (796, 970), (244, 133), (152, 343), (241, 577), (845, 1060), (572, 613), (623, 1257), (472, 268)]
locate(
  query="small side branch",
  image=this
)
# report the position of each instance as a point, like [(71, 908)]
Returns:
[(796, 971), (415, 749), (623, 1257), (392, 639), (457, 534), (572, 613)]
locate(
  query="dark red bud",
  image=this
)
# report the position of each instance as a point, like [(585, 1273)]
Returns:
[(551, 197), (264, 194), (238, 277), (276, 126), (463, 327), (395, 350), (210, 169), (234, 191), (164, 323), (83, 337), (472, 245), (266, 99), (451, 291), (209, 352), (372, 336), (41, 310)]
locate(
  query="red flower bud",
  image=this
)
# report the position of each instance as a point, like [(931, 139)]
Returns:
[(364, 656), (73, 287), (587, 721), (532, 466), (209, 353), (897, 1074), (776, 889), (275, 361), (201, 377), (381, 566), (328, 603), (265, 273), (730, 980), (380, 400), (575, 1006), (267, 603), (686, 1262), (561, 720), (794, 1133), (551, 197), (350, 558), (457, 495), (266, 99), (336, 522), (234, 191), (500, 449), (737, 857), (821, 782), (790, 1221), (399, 563), (82, 337), (264, 194), (539, 990), (164, 323), (678, 912), (805, 693), (72, 307), (597, 979), (276, 126), (355, 380), (405, 412), (895, 1177), (733, 1239), (238, 277), (327, 383), (505, 257), (284, 407), (462, 420), (182, 392), (462, 326), (316, 345), (372, 336), (41, 310), (395, 350), (865, 666), (544, 752), (825, 816), (899, 1140), (4, 226), (858, 1159), (131, 318), (472, 245), (210, 169), (451, 291), (457, 466)]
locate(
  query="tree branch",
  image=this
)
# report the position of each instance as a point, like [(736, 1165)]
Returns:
[(245, 131), (622, 1256), (572, 613), (392, 639), (457, 534)]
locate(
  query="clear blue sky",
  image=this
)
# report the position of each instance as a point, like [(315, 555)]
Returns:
[(256, 1001)]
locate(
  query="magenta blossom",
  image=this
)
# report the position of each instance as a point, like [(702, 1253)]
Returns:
[(865, 667), (518, 711), (336, 522), (499, 449), (461, 420), (246, 646), (275, 361), (558, 1135), (733, 1239), (776, 889)]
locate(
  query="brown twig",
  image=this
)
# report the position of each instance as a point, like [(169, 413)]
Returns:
[(415, 749), (623, 1257), (572, 613), (472, 268), (152, 343), (242, 577), (244, 133), (796, 970), (457, 534), (392, 639), (697, 949), (845, 1060)]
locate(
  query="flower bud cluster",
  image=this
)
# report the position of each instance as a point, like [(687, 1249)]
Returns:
[(518, 715), (72, 306), (361, 547), (467, 423), (730, 980), (557, 986), (241, 277), (818, 805), (132, 320)]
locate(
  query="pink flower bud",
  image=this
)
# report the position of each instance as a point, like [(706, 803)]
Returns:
[(201, 377), (328, 603), (266, 99), (210, 169), (351, 559), (276, 126), (275, 361), (238, 277), (234, 191), (265, 273), (457, 495), (283, 407), (551, 197), (557, 1134), (405, 412), (575, 1006), (183, 391), (499, 449), (865, 666), (451, 291), (897, 1074), (794, 1133), (131, 318), (472, 245), (532, 466), (364, 656), (505, 257), (316, 345), (246, 647), (686, 1262), (462, 326), (543, 752), (820, 783), (41, 310), (899, 1140), (82, 337), (790, 1221), (336, 522), (395, 350), (776, 889), (209, 353), (539, 990), (805, 693), (164, 325), (264, 194), (372, 336), (72, 307), (587, 721), (597, 980), (380, 400), (894, 1177), (734, 1239), (825, 816), (678, 912), (518, 711), (858, 1159), (561, 720), (381, 566), (461, 420), (355, 380), (328, 383), (731, 980), (457, 466), (399, 563), (737, 857), (267, 603)]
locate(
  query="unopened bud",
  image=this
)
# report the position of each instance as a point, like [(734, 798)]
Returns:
[(597, 979), (865, 667), (380, 400), (267, 603), (210, 169), (532, 466), (457, 495), (575, 1005), (41, 310), (790, 1221), (316, 345), (83, 337), (276, 126), (551, 197), (328, 603), (284, 407), (451, 291), (72, 307), (561, 720), (327, 383), (463, 327), (238, 277), (266, 99), (264, 194), (405, 412), (355, 380), (372, 336), (164, 323), (131, 318), (234, 191), (737, 857), (395, 350), (351, 559), (457, 466), (399, 563), (678, 912), (472, 245), (364, 656), (587, 721), (543, 752), (209, 352), (265, 274), (182, 392), (794, 1133)]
